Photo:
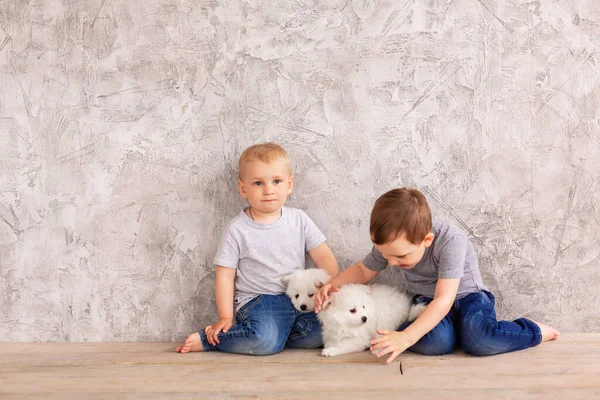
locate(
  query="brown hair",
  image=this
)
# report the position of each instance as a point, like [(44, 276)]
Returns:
[(400, 211), (265, 152)]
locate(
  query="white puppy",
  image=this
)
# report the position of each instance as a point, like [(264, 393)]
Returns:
[(352, 318), (302, 286)]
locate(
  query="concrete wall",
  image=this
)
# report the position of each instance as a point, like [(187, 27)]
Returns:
[(121, 123)]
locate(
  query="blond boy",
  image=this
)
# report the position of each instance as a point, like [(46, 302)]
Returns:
[(263, 243)]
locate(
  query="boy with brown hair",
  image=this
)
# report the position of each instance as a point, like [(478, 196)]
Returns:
[(441, 269)]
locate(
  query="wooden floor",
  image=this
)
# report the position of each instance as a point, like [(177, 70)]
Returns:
[(566, 369)]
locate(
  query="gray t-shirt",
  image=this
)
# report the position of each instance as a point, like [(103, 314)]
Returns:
[(263, 253), (451, 255)]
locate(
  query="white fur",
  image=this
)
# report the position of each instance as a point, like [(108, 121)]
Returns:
[(302, 287), (375, 307)]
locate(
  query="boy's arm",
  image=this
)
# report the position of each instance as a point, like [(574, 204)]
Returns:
[(397, 342), (357, 273), (445, 294), (224, 286), (323, 258)]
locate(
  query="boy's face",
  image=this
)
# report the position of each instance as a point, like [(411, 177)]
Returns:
[(402, 253), (266, 186)]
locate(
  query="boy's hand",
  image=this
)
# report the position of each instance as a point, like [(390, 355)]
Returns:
[(323, 295), (390, 342), (213, 330)]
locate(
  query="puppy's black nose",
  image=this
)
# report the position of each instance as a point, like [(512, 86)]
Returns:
[(364, 319), (303, 307)]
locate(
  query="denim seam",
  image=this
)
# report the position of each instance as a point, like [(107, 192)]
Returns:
[(538, 333), (221, 335), (205, 347), (300, 334), (250, 305)]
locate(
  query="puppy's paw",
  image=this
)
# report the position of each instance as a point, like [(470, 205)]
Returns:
[(329, 352), (415, 311)]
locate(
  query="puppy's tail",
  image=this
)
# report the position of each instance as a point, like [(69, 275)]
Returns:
[(415, 311)]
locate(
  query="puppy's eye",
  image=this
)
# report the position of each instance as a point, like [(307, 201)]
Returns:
[(364, 307), (353, 310), (311, 295), (296, 296)]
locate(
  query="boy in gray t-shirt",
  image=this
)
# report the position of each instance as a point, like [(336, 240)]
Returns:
[(263, 243), (440, 268)]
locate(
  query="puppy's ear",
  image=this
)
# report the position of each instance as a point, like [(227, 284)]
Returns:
[(321, 279), (287, 278), (330, 300), (332, 297), (368, 290)]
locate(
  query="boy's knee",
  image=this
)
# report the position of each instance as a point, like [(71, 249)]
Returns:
[(478, 346), (435, 343), (477, 337), (265, 341), (262, 348)]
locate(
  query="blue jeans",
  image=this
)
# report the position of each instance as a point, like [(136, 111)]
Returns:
[(472, 323), (267, 324)]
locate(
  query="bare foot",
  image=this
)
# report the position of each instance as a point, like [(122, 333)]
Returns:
[(548, 333), (192, 343)]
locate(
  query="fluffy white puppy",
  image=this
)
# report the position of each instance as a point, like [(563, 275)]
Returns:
[(302, 286), (356, 312)]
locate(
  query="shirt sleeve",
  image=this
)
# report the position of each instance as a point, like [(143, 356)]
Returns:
[(452, 257), (313, 236), (375, 260), (228, 252)]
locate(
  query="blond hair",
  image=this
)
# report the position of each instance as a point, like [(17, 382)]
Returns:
[(265, 152)]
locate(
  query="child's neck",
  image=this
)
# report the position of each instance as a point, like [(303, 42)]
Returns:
[(263, 218)]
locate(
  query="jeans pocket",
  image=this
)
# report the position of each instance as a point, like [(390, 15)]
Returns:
[(489, 296), (300, 328), (248, 306)]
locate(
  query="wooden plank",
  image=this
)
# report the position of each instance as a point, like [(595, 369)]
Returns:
[(284, 377), (578, 345), (461, 394), (568, 368)]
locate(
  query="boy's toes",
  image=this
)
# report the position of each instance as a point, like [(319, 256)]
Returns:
[(192, 343), (548, 332)]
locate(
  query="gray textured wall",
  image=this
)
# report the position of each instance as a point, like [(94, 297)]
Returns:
[(121, 123)]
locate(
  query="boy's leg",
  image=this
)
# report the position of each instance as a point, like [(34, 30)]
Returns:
[(442, 339), (481, 334), (263, 326), (306, 332)]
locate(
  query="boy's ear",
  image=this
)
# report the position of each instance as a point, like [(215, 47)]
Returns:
[(428, 239), (242, 189), (291, 185)]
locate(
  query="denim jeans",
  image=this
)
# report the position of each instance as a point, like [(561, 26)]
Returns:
[(472, 323), (267, 324)]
